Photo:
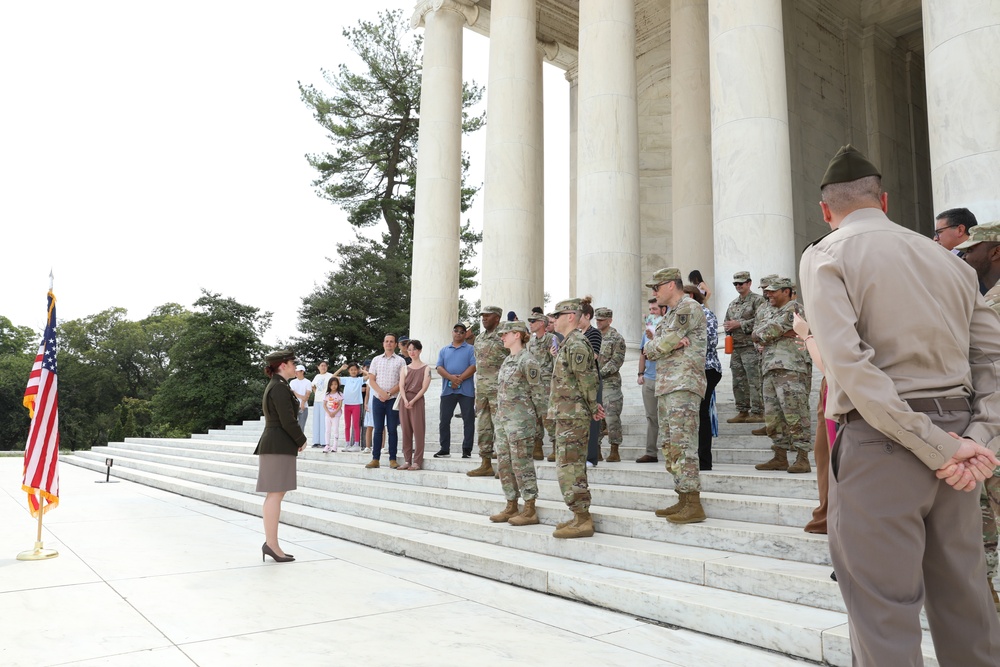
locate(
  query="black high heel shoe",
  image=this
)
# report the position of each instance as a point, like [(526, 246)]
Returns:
[(268, 551)]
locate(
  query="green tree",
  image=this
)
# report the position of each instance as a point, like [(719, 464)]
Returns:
[(17, 353), (215, 374), (372, 120)]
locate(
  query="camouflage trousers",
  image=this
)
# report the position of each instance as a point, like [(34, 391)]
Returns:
[(744, 364), (545, 425), (989, 501), (486, 407), (517, 468), (571, 462), (786, 410), (614, 402), (677, 413)]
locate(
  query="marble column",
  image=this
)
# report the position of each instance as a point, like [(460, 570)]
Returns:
[(510, 199), (573, 77), (751, 161), (961, 52), (434, 295), (691, 138), (608, 253), (539, 232)]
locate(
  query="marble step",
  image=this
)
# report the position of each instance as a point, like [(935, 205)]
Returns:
[(742, 507), (793, 629)]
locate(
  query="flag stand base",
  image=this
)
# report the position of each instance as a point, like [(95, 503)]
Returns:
[(38, 553)]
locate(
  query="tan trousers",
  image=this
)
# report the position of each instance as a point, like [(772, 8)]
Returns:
[(901, 539)]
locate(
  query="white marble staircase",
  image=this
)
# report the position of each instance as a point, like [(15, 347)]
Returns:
[(749, 573)]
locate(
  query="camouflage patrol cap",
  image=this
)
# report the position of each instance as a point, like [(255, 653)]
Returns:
[(779, 283), (664, 276), (279, 356), (980, 233), (537, 317), (491, 310), (567, 306), (766, 280), (849, 164), (603, 314), (513, 325), (741, 276)]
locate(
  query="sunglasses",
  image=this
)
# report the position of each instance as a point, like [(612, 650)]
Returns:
[(742, 283)]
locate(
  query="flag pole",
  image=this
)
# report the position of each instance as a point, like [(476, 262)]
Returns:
[(39, 552)]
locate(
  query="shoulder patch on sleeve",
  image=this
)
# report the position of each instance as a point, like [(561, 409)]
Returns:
[(578, 359), (682, 318), (533, 374)]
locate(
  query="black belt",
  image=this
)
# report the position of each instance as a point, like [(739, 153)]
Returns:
[(938, 405)]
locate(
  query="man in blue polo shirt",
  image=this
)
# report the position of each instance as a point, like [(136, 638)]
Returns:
[(456, 364)]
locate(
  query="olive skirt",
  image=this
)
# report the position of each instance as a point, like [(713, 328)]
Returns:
[(276, 472)]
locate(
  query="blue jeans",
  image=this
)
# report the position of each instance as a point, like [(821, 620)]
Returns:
[(383, 415)]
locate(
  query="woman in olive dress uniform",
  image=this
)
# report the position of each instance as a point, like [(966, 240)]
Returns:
[(278, 447)]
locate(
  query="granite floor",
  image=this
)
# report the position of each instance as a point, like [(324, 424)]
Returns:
[(146, 577)]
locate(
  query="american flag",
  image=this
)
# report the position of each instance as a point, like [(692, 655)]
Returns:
[(41, 455)]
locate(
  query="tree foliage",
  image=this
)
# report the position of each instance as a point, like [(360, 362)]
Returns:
[(372, 119)]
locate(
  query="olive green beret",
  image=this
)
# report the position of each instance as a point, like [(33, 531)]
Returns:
[(513, 325), (779, 283), (603, 314), (988, 232), (567, 306), (741, 276), (664, 276), (766, 280), (848, 165), (491, 310), (279, 356)]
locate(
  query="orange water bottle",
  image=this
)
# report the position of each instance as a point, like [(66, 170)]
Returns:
[(729, 344)]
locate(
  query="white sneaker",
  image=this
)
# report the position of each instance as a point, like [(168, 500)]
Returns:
[(589, 464)]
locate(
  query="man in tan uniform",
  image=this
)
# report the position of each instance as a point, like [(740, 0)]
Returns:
[(911, 353)]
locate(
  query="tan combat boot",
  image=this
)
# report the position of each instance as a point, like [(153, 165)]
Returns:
[(754, 418), (583, 526), (778, 462), (538, 454), (510, 510), (692, 512), (614, 457), (673, 509), (485, 469), (527, 517), (738, 419), (801, 462), (760, 431), (552, 455)]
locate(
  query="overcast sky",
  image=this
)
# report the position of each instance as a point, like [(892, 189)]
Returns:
[(151, 150)]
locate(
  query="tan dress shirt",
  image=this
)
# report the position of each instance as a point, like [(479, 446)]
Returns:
[(896, 317)]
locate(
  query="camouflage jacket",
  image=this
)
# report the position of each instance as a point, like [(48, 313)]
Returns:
[(611, 357), (682, 369), (541, 350), (744, 309), (781, 352), (520, 399), (490, 353), (574, 380)]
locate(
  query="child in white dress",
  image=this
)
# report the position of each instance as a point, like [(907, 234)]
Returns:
[(333, 405)]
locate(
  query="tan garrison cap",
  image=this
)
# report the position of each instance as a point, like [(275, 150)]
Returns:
[(603, 314), (741, 276), (980, 233), (848, 165), (779, 283), (491, 310), (279, 355), (567, 306), (663, 276), (515, 325)]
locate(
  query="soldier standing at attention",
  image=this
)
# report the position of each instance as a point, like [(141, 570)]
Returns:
[(911, 353), (542, 347), (520, 402), (786, 395), (678, 348), (764, 313), (572, 404), (490, 353), (609, 363), (744, 363)]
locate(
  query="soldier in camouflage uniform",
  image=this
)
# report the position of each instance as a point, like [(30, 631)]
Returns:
[(744, 363), (609, 363), (982, 254), (490, 353), (764, 313), (519, 407), (540, 346), (678, 348), (572, 404), (786, 399)]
